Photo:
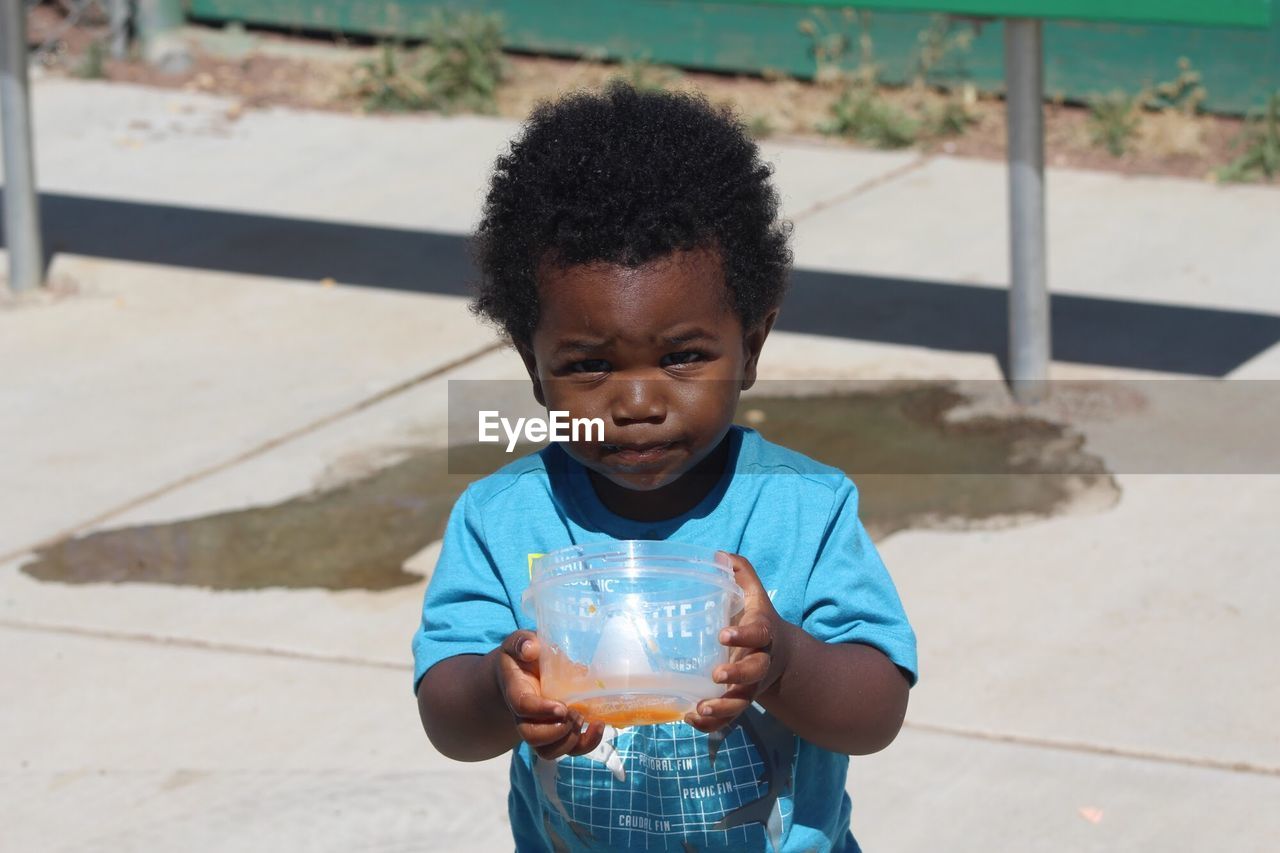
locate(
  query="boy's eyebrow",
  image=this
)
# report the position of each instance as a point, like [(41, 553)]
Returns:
[(580, 345), (685, 337), (592, 344)]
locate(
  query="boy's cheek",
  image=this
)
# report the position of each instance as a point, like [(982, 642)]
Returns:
[(576, 407), (580, 453)]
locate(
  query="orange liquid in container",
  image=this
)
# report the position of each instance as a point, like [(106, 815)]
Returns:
[(615, 704), (607, 711)]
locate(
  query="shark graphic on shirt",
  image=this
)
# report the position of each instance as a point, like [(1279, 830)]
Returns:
[(672, 780)]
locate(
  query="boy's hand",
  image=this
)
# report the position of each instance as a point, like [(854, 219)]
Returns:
[(546, 725), (757, 658)]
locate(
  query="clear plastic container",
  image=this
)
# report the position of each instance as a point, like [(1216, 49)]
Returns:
[(630, 630)]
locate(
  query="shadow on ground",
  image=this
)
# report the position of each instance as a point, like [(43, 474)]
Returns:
[(937, 315)]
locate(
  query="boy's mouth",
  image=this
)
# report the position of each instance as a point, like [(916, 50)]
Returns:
[(637, 454)]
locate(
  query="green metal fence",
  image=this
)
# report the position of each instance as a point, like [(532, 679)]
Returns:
[(1239, 66)]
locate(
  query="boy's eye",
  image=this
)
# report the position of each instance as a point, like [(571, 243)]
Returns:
[(681, 358), (590, 365)]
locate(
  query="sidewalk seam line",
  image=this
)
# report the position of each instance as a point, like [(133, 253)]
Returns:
[(864, 187), (244, 456), (200, 645), (1095, 749), (933, 728)]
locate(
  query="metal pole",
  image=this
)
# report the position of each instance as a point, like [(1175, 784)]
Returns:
[(21, 209), (119, 10), (158, 26), (1029, 342)]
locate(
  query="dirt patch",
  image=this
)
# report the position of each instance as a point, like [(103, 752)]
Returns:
[(273, 69)]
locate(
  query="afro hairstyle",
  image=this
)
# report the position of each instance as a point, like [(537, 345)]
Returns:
[(627, 177)]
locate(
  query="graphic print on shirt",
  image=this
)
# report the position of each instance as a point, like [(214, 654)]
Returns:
[(665, 785)]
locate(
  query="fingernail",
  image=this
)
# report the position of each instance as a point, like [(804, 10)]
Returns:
[(520, 644), (704, 710), (560, 712), (718, 676), (727, 636)]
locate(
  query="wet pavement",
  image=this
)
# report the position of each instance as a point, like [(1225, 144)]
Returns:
[(915, 467)]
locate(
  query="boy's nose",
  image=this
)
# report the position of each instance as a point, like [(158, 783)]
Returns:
[(638, 401)]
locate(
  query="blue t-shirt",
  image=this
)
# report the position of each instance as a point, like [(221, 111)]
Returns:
[(669, 786)]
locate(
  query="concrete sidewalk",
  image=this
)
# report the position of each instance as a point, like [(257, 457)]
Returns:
[(1114, 661)]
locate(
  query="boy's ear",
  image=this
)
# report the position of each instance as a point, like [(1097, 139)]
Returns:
[(531, 365), (752, 343)]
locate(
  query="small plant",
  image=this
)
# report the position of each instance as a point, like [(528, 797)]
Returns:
[(760, 126), (1261, 142), (1164, 114), (384, 86), (93, 66), (1170, 126), (645, 76), (860, 113), (830, 47), (942, 39), (1184, 93), (1113, 121), (464, 65), (950, 118), (460, 68)]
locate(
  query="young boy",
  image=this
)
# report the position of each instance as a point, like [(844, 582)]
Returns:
[(630, 250)]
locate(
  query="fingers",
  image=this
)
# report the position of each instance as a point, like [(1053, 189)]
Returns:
[(540, 735), (518, 674), (527, 702), (522, 647), (570, 737), (745, 574), (751, 669), (550, 733), (546, 725), (714, 714), (755, 634)]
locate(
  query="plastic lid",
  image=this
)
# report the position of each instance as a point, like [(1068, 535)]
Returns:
[(605, 557)]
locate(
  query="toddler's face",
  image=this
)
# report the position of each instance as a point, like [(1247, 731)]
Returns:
[(657, 352)]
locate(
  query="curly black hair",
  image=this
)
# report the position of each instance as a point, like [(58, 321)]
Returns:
[(626, 177)]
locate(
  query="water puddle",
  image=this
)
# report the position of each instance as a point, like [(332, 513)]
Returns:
[(915, 466)]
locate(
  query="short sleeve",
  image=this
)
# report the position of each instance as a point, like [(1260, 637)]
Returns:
[(466, 609), (849, 597)]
